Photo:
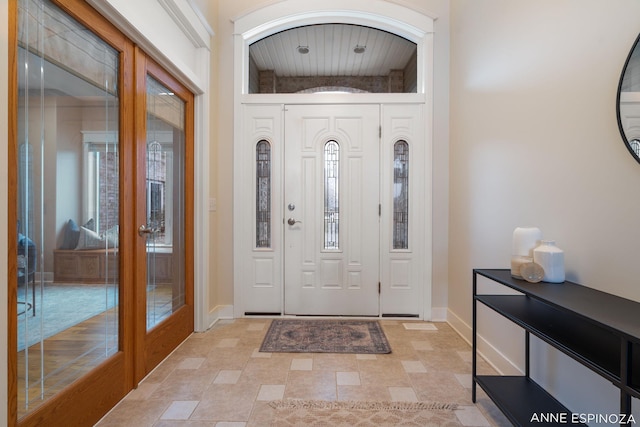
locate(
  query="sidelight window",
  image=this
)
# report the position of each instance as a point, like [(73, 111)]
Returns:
[(401, 195), (263, 194)]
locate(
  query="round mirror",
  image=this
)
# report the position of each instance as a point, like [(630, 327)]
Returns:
[(629, 101)]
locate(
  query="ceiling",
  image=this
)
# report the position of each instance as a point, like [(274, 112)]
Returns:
[(331, 51)]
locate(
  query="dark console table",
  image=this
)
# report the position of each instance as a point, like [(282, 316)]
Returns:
[(599, 330)]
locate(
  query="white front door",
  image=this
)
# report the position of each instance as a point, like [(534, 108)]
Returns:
[(331, 210)]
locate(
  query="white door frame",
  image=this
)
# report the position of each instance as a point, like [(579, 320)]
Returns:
[(403, 21)]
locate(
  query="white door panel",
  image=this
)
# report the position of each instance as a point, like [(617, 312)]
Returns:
[(260, 234), (331, 198), (403, 263), (332, 263)]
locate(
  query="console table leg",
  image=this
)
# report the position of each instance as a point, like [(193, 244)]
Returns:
[(474, 340), (527, 347), (625, 366)]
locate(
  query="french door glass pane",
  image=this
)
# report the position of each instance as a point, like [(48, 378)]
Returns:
[(67, 202), (165, 202)]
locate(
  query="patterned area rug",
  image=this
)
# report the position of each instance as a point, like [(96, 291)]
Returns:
[(325, 336), (314, 413)]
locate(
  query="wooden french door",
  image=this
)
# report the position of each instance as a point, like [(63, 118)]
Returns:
[(164, 214), (99, 135)]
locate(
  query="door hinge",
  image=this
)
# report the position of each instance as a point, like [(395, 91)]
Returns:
[(379, 209), (379, 288), (379, 132)]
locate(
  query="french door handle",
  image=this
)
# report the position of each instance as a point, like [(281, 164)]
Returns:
[(142, 230)]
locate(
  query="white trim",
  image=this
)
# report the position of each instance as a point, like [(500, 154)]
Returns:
[(221, 312), (496, 359), (201, 252), (408, 22), (334, 98), (136, 26), (192, 67), (426, 81), (438, 314), (278, 16), (184, 16)]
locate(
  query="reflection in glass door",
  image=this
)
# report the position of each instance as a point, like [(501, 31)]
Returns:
[(67, 202), (164, 214), (164, 226)]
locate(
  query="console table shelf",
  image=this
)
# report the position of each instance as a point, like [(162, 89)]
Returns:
[(599, 330), (515, 395)]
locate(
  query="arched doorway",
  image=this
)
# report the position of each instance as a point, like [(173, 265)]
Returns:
[(262, 275)]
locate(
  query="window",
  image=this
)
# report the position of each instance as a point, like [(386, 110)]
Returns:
[(263, 194), (401, 195), (100, 183), (344, 57), (331, 195)]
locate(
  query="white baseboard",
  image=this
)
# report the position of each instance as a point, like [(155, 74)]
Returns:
[(486, 350), (220, 312)]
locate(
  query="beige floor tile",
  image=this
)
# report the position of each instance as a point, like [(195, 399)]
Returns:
[(320, 385), (183, 385), (420, 326), (363, 393), (403, 394), (254, 327), (227, 377), (144, 390), (471, 416), (271, 392), (179, 410), (260, 354), (226, 402), (413, 367), (228, 342), (421, 345), (366, 357), (191, 363), (302, 364), (348, 378), (225, 381), (334, 362)]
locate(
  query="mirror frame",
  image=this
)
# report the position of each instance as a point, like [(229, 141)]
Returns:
[(636, 45)]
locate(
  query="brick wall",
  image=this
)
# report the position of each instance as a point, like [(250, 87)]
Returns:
[(393, 83)]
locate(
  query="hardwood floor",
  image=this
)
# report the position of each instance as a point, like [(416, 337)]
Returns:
[(47, 367)]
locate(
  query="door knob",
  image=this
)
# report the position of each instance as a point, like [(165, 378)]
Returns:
[(142, 230), (292, 221)]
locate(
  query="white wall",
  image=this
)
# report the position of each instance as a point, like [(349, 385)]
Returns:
[(534, 141)]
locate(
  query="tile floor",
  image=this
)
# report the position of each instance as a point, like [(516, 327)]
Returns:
[(219, 378)]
